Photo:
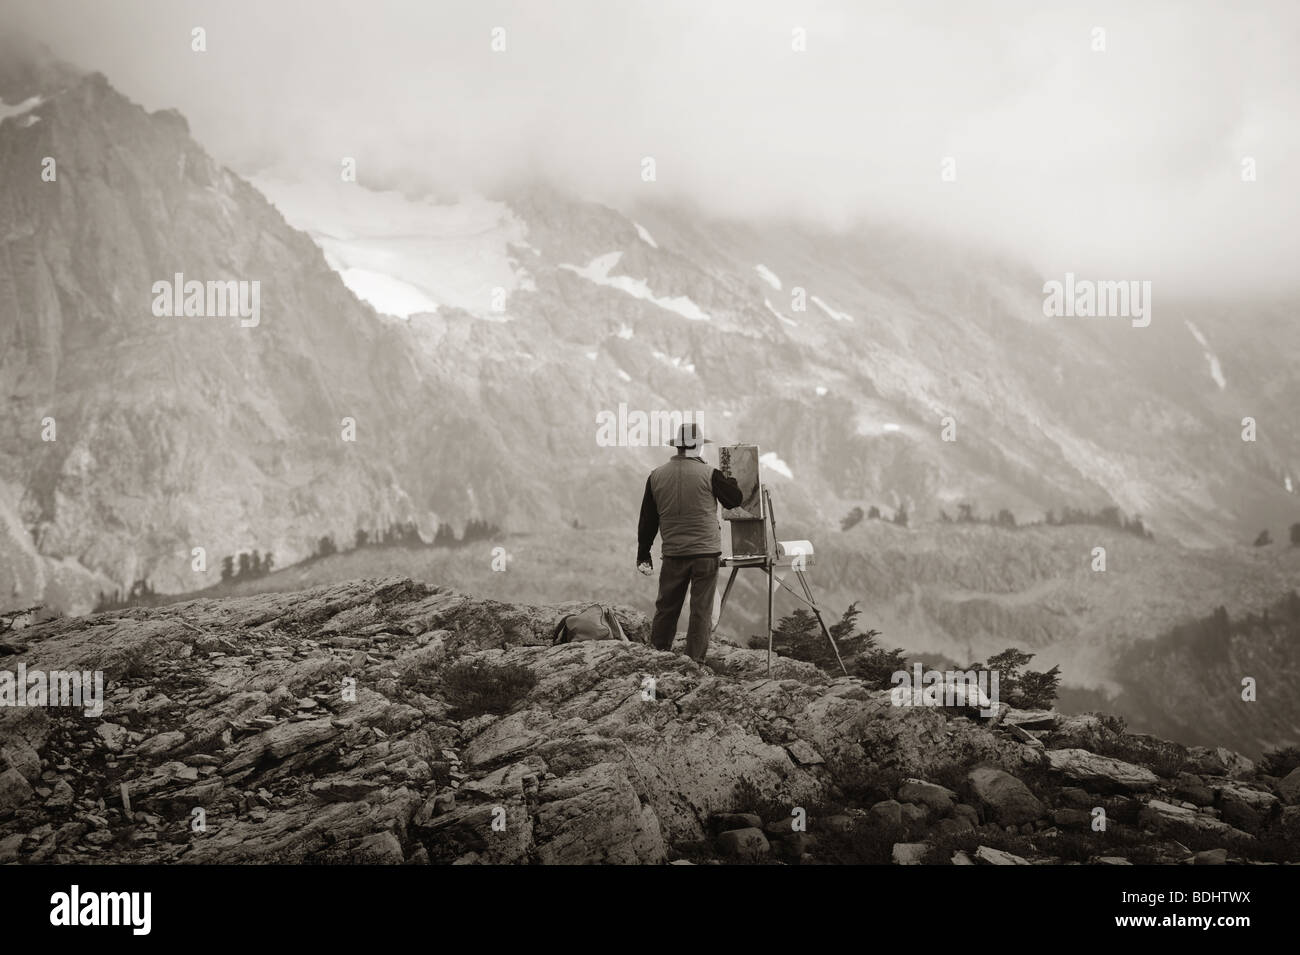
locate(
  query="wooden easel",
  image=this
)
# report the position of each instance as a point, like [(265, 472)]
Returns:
[(769, 561)]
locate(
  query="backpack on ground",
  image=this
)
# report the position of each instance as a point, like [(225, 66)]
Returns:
[(594, 623)]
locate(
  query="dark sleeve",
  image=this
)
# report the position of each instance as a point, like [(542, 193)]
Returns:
[(648, 526), (726, 490)]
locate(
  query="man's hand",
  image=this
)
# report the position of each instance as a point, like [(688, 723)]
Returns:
[(645, 568)]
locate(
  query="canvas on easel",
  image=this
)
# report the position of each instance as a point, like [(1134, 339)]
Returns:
[(746, 522)]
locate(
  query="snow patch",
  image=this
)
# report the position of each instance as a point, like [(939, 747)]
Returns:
[(624, 375), (1289, 488), (645, 236), (591, 355), (768, 276), (838, 316), (771, 460), (453, 254), (26, 106), (821, 391), (1216, 371), (625, 331), (788, 321), (867, 425), (679, 363), (387, 294), (598, 269)]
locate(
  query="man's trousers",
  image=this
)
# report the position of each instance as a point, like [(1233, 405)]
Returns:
[(700, 574)]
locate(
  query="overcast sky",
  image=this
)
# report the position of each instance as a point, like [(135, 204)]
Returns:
[(1122, 164)]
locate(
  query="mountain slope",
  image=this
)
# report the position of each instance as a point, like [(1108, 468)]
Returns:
[(176, 433)]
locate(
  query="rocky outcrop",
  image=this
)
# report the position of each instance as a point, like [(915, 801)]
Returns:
[(1081, 766), (336, 724)]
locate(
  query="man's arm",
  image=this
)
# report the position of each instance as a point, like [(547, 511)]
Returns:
[(648, 526), (726, 490)]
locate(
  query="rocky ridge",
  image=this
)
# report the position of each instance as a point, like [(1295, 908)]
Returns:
[(327, 726)]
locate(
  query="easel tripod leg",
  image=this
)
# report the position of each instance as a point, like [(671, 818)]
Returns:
[(769, 620), (807, 589), (723, 603)]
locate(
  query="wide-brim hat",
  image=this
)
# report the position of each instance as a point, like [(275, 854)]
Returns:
[(689, 436)]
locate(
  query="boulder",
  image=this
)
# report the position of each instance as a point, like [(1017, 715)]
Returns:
[(1072, 818), (1164, 816), (914, 815), (23, 734), (952, 826), (1220, 761), (161, 744), (380, 848), (1190, 788), (1100, 772), (1076, 797), (1006, 800), (966, 813), (802, 753), (1085, 730), (62, 796), (795, 845), (937, 798), (749, 844), (1242, 806), (1031, 719), (991, 856), (1289, 787), (909, 853), (10, 847), (113, 736), (18, 754), (887, 813), (14, 790)]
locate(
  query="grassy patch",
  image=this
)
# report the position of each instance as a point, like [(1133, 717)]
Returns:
[(475, 689), (133, 664), (942, 847), (1163, 758), (1117, 840)]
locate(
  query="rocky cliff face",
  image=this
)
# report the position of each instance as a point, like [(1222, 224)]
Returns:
[(373, 721)]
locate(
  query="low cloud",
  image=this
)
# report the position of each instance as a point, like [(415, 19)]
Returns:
[(1125, 162)]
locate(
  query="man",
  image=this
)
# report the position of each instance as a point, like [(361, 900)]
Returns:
[(681, 504)]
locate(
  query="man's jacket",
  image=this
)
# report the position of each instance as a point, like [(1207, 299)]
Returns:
[(680, 503)]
